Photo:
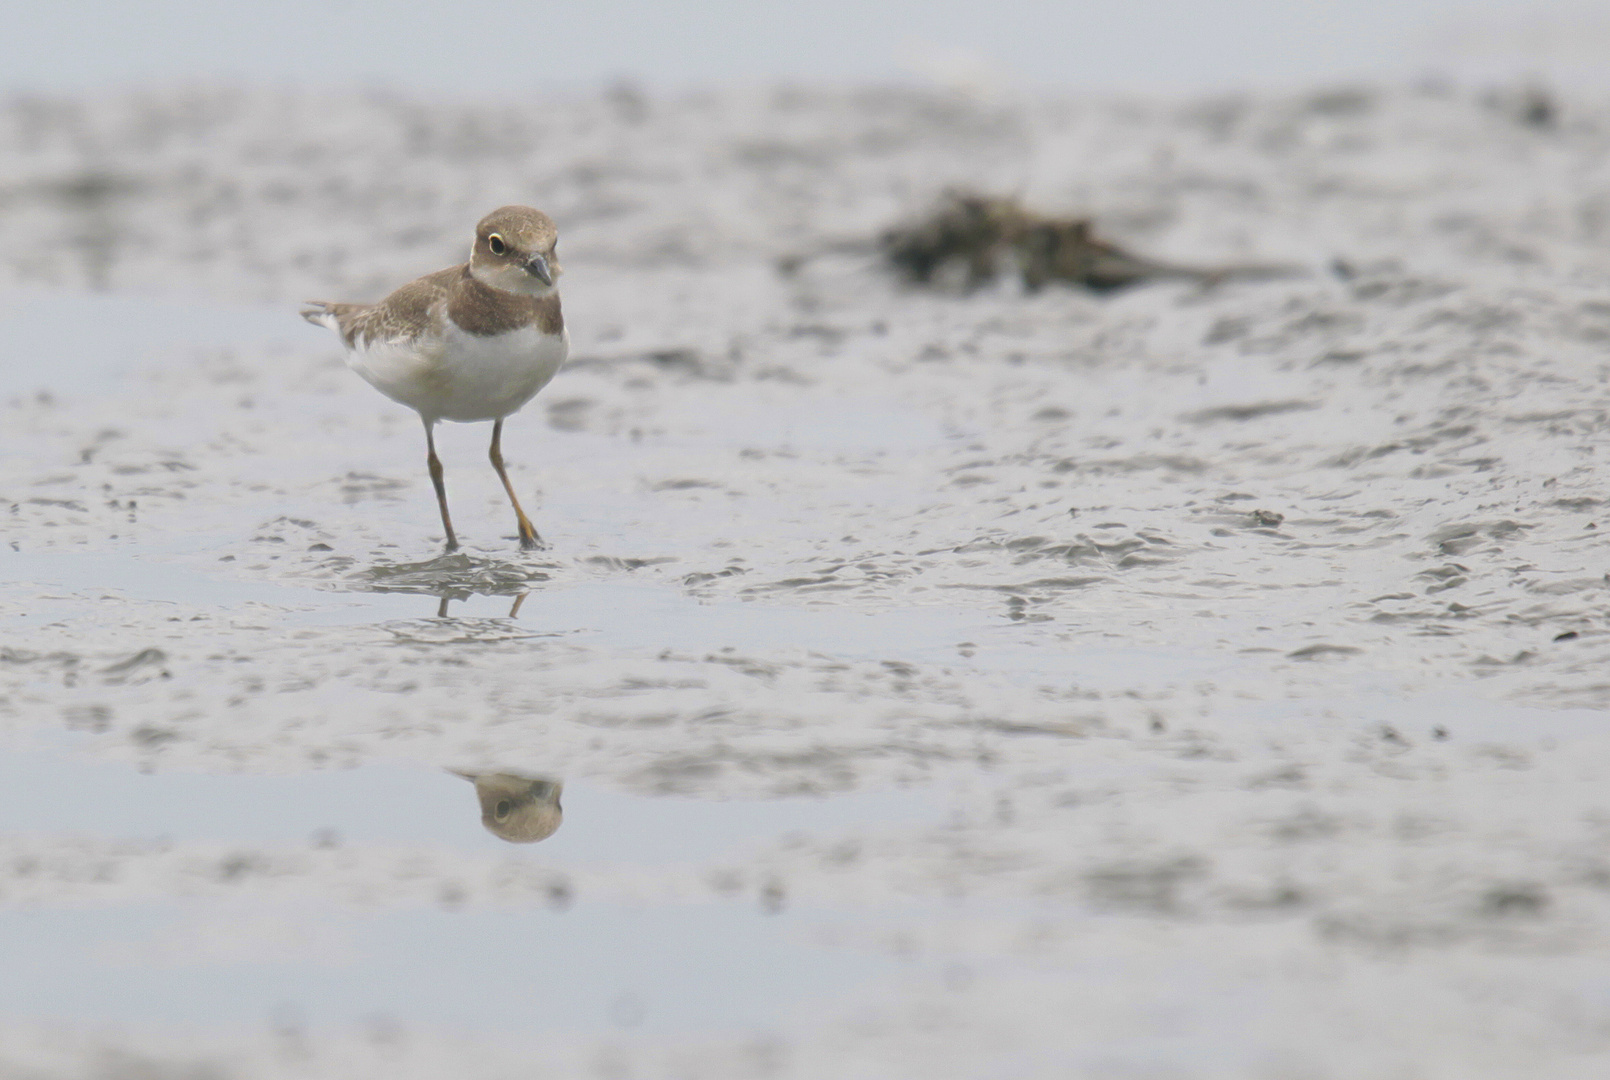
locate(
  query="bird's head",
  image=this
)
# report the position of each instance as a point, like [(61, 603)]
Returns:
[(514, 251)]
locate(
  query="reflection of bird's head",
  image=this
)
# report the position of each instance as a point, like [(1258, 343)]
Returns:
[(519, 809)]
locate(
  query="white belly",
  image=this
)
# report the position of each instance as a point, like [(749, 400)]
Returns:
[(463, 377)]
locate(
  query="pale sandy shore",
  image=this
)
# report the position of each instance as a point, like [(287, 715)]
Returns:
[(1185, 683)]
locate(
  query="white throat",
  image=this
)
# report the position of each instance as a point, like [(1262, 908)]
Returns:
[(508, 278)]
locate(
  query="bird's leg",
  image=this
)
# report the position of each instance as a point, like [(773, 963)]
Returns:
[(435, 464), (529, 540)]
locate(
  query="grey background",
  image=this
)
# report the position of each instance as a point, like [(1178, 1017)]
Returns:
[(496, 47)]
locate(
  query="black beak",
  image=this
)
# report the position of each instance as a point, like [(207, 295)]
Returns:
[(537, 266)]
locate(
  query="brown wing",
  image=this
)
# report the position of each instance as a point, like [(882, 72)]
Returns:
[(400, 317)]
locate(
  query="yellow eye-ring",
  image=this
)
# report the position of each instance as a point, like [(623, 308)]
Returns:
[(495, 242)]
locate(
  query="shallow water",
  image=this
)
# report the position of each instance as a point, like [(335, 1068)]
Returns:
[(568, 961), (1185, 683), (660, 970), (47, 792)]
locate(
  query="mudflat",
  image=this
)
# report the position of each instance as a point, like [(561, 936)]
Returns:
[(1186, 682)]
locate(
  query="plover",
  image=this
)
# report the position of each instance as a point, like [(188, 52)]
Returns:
[(473, 342)]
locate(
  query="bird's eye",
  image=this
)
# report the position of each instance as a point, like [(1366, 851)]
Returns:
[(501, 810), (495, 242)]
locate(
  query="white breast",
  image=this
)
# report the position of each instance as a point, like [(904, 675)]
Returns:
[(461, 376)]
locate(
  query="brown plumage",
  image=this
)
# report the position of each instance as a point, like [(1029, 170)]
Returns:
[(413, 310)]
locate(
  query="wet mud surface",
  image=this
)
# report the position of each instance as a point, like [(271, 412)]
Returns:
[(1190, 682)]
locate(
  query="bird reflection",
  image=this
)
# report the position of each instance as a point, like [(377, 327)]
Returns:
[(519, 809)]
